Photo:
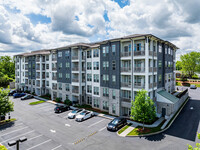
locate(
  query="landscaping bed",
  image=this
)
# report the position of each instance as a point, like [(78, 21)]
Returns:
[(7, 121), (2, 147), (124, 128), (37, 102)]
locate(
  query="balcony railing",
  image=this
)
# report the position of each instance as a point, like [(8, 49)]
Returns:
[(37, 59), (74, 57), (139, 69), (54, 59), (151, 53), (126, 84), (125, 54), (75, 80), (38, 84), (139, 53), (152, 69), (75, 91), (75, 69), (54, 78), (54, 87), (126, 69), (54, 68), (26, 60), (125, 99), (139, 85), (26, 75), (38, 76), (151, 85)]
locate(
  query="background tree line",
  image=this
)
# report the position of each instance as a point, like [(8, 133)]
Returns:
[(7, 70), (189, 64)]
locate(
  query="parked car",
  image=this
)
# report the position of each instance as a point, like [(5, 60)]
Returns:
[(61, 108), (84, 115), (116, 123), (74, 112), (12, 92), (27, 96), (16, 95), (193, 86)]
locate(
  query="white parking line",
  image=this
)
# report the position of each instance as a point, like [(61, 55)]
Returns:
[(43, 107), (102, 128), (56, 147), (96, 123), (34, 137), (18, 136), (39, 144), (14, 131)]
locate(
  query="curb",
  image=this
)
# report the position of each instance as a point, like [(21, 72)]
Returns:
[(7, 123), (161, 130)]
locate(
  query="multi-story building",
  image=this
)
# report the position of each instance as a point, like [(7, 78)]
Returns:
[(105, 75)]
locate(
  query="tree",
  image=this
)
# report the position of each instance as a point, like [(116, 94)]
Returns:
[(143, 108), (6, 105), (191, 63), (178, 65), (197, 144)]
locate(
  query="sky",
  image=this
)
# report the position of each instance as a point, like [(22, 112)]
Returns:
[(27, 25)]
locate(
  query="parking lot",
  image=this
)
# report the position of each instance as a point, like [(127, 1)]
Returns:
[(51, 127)]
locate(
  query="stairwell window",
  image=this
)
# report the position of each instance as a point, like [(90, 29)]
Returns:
[(113, 65), (59, 54), (113, 49)]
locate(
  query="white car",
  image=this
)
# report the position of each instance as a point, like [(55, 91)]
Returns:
[(84, 115), (75, 112)]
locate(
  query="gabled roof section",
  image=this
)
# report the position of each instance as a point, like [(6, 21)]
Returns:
[(168, 96)]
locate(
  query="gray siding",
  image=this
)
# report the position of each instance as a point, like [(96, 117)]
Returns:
[(64, 70), (110, 57), (32, 61), (168, 58), (160, 70)]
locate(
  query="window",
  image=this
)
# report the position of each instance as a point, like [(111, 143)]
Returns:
[(47, 58), (160, 78), (67, 64), (67, 76), (89, 77), (96, 65), (165, 63), (33, 66), (129, 47), (169, 50), (105, 65), (113, 108), (60, 75), (113, 65), (169, 78), (89, 65), (105, 50), (113, 49), (165, 78), (47, 66), (89, 88), (47, 83), (67, 87), (59, 54), (47, 74), (89, 100), (169, 64), (165, 50), (105, 78), (113, 78), (160, 49), (113, 94), (106, 92), (60, 65), (89, 54), (95, 52), (105, 105), (160, 64), (96, 102), (96, 90), (96, 78), (33, 82), (138, 47), (67, 53)]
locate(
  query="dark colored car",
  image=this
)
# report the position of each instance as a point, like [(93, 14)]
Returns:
[(12, 92), (61, 108), (27, 96), (116, 124), (16, 95)]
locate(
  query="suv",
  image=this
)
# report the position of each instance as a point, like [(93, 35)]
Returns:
[(116, 124), (16, 95), (61, 108)]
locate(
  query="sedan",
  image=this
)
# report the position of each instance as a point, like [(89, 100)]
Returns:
[(27, 96), (16, 95), (61, 108), (84, 115), (116, 124), (193, 86), (12, 92), (74, 112)]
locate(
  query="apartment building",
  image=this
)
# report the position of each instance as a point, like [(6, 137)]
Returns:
[(105, 75)]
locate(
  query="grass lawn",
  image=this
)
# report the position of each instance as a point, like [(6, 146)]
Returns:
[(37, 102), (7, 121), (124, 128)]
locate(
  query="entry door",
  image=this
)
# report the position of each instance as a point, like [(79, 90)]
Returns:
[(163, 112)]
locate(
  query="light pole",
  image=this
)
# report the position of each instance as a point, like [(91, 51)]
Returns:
[(22, 139)]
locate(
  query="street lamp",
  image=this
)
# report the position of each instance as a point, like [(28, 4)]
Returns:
[(22, 139)]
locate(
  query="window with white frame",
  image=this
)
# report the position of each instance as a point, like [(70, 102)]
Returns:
[(106, 92), (113, 108), (96, 65), (59, 54), (60, 86), (96, 102), (89, 54), (60, 65), (89, 65), (95, 52), (89, 88), (105, 105), (89, 100), (96, 77), (89, 77), (67, 88), (113, 94), (96, 91)]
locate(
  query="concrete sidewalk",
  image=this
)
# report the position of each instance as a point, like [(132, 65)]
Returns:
[(127, 131)]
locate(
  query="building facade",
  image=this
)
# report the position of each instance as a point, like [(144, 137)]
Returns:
[(105, 75)]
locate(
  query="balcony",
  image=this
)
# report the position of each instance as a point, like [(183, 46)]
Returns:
[(38, 68), (126, 84), (74, 57), (152, 53), (125, 99), (151, 85), (139, 53), (54, 87), (139, 85), (75, 80), (38, 84), (152, 69), (54, 78), (38, 59), (26, 75), (75, 69), (54, 59), (26, 60), (126, 69), (75, 91), (125, 54), (54, 68), (38, 76), (139, 69)]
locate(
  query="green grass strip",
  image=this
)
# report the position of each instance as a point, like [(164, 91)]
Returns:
[(7, 121), (37, 102), (124, 128)]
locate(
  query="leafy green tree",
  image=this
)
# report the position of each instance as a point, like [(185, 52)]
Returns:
[(6, 105), (178, 65), (197, 144), (2, 147), (143, 108), (191, 63)]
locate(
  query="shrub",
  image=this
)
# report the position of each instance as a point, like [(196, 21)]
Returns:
[(58, 99), (2, 147), (68, 102), (195, 76)]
